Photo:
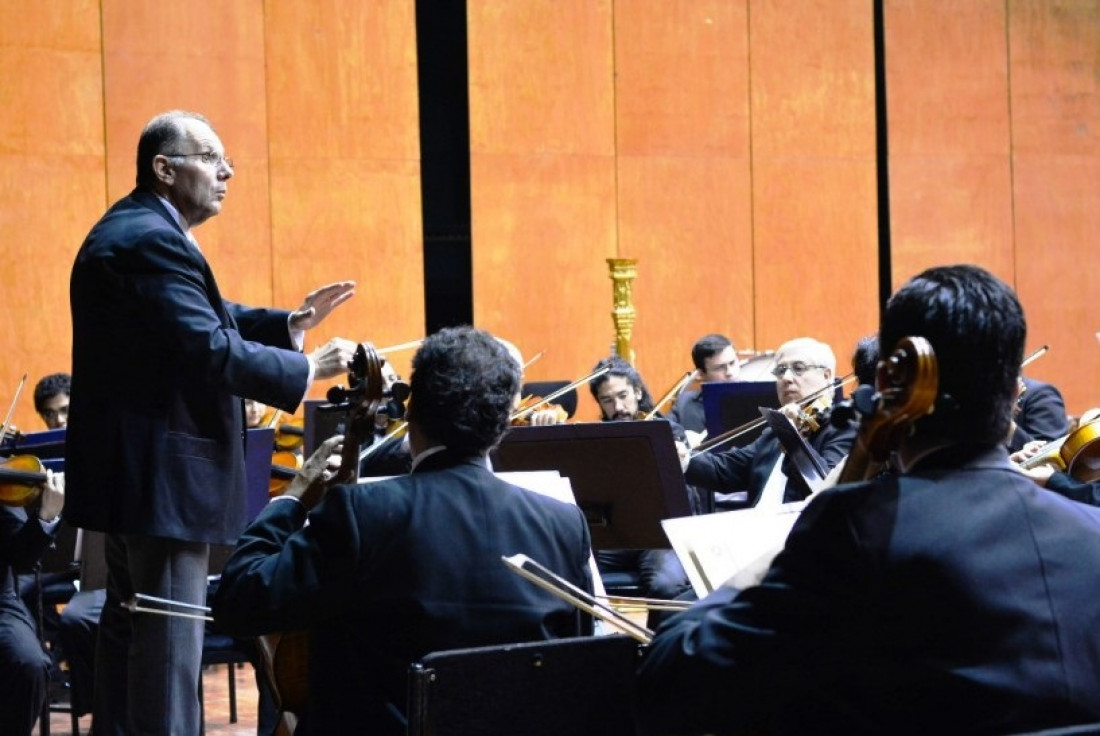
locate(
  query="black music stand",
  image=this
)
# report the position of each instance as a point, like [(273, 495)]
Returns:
[(731, 404), (625, 476), (49, 444)]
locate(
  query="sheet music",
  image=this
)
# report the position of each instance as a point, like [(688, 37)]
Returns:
[(730, 546)]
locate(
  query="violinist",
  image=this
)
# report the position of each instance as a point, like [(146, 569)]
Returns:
[(25, 534), (51, 399), (951, 597), (382, 576), (759, 474), (715, 360), (623, 397), (1040, 414)]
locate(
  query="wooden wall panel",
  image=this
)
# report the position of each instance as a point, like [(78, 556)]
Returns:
[(1055, 101), (684, 199), (543, 177), (51, 182), (344, 149), (813, 172), (205, 56), (950, 174)]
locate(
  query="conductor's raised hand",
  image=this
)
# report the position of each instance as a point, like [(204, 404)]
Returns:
[(332, 358), (319, 303)]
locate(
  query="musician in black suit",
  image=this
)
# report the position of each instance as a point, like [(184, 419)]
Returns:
[(24, 664), (715, 360), (951, 597), (387, 572), (760, 473), (1040, 414), (155, 445)]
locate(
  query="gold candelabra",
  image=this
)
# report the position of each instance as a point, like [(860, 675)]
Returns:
[(623, 272)]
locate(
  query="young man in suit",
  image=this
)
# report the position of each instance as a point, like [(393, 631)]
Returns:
[(155, 445), (953, 596), (386, 572)]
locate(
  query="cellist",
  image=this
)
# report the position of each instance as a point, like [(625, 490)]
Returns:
[(951, 597), (382, 576)]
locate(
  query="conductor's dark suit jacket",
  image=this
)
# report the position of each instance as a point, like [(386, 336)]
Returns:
[(957, 599), (387, 572), (161, 361), (748, 468)]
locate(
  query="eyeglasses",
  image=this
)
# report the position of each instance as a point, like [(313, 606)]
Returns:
[(797, 368), (211, 158)]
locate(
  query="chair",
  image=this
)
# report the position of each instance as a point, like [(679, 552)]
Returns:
[(583, 686), (219, 648), (567, 401)]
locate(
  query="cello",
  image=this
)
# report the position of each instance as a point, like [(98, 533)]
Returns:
[(286, 654)]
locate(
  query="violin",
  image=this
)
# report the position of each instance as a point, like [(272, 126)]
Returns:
[(21, 480), (289, 432), (744, 429), (560, 415), (284, 466), (286, 654), (1077, 454)]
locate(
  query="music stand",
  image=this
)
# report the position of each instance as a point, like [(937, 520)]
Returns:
[(257, 468), (49, 444), (319, 424), (730, 404), (625, 475)]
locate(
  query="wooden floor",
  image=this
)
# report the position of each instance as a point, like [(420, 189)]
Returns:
[(215, 683)]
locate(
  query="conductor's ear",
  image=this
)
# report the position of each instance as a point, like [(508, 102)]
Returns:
[(164, 169)]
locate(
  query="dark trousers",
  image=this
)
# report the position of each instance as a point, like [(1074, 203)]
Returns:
[(24, 670), (147, 666)]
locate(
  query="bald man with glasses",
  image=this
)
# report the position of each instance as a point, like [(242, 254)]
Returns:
[(155, 447), (759, 474)]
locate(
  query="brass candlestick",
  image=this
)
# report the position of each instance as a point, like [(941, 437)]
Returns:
[(623, 272)]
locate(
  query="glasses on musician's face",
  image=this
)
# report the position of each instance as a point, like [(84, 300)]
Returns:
[(210, 158), (798, 368)]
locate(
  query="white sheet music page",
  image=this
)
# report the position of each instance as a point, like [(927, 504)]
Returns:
[(735, 546)]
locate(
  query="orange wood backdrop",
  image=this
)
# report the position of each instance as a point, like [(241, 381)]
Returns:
[(316, 100), (728, 145)]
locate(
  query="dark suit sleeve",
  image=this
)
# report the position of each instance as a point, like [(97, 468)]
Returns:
[(172, 286), (761, 646), (285, 576), (1065, 485), (1042, 412), (729, 470), (22, 539)]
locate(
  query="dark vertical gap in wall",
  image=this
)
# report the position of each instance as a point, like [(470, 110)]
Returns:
[(444, 162), (882, 160)]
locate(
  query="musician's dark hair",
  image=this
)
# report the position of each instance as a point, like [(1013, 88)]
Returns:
[(865, 360), (706, 347), (977, 329), (464, 386), (50, 386), (159, 134), (619, 367)]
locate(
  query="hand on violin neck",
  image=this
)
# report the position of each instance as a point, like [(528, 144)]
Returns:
[(53, 496), (332, 358), (310, 484)]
